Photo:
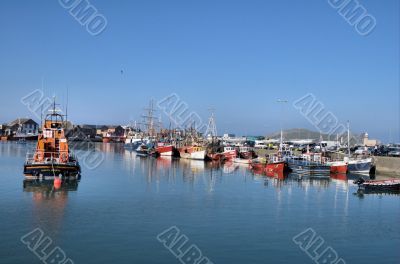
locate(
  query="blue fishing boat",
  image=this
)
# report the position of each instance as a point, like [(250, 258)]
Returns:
[(309, 164), (359, 166)]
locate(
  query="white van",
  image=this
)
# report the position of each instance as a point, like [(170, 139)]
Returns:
[(260, 145)]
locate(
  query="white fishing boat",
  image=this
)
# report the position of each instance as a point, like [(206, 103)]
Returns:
[(133, 140), (193, 152), (357, 165)]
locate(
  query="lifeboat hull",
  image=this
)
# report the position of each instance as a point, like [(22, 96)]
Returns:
[(50, 171)]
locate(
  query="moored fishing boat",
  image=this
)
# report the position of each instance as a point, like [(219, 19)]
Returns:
[(193, 152), (229, 153), (309, 164), (142, 150), (52, 157), (133, 140), (214, 152), (359, 166), (165, 149), (276, 163), (258, 165), (276, 166), (222, 153), (337, 167)]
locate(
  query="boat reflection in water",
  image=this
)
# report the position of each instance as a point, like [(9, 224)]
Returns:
[(172, 170), (48, 189), (280, 175), (49, 202)]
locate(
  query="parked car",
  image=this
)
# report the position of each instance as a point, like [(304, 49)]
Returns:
[(260, 145), (361, 151), (394, 152), (381, 150), (302, 148)]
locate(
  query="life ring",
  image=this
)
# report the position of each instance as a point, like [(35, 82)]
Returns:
[(38, 156), (64, 157)]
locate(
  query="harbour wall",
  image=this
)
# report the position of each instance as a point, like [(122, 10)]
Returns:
[(387, 165)]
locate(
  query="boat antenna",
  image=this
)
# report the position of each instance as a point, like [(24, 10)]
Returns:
[(41, 106), (41, 116), (281, 101), (66, 111)]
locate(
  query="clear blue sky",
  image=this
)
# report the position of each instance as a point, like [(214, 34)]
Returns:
[(235, 56)]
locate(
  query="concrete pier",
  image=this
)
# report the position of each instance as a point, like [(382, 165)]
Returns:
[(389, 166)]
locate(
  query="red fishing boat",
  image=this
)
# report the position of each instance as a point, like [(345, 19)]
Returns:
[(229, 153), (276, 163), (165, 149), (277, 166), (220, 153), (338, 167), (258, 166)]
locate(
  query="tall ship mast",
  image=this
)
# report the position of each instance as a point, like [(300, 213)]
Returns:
[(150, 123)]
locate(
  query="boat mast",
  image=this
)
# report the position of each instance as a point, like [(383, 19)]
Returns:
[(281, 101), (66, 112), (337, 141), (212, 127), (348, 137), (41, 107), (149, 121)]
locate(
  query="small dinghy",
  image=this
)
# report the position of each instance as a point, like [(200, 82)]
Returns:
[(383, 185)]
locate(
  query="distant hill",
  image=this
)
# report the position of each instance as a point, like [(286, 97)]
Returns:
[(301, 133)]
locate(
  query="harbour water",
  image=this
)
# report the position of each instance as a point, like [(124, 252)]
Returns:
[(117, 210)]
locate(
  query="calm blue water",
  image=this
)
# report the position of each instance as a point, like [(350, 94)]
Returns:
[(117, 210)]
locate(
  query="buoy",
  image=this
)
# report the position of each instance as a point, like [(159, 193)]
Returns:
[(57, 183)]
